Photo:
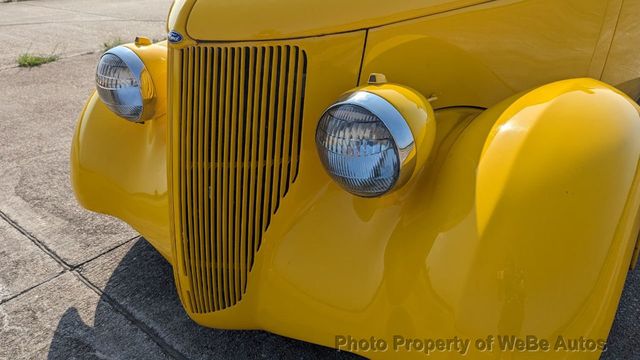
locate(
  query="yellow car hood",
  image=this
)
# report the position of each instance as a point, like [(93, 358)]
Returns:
[(233, 20)]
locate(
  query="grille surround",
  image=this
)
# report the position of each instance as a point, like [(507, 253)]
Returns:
[(238, 149)]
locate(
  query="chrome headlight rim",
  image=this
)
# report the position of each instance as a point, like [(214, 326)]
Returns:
[(396, 124), (137, 68)]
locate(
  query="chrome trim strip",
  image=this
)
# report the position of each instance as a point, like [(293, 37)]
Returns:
[(130, 58)]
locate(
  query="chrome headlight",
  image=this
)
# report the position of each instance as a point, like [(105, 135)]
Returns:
[(124, 85), (366, 145)]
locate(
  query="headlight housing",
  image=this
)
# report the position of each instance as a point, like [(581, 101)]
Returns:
[(366, 145), (124, 84)]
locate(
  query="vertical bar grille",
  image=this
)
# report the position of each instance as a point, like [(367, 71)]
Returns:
[(239, 151)]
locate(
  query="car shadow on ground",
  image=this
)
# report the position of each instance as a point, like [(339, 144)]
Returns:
[(142, 284), (624, 338)]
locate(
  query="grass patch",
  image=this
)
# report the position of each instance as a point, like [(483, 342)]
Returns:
[(110, 44), (31, 60)]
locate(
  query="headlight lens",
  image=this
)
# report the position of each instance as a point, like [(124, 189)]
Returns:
[(121, 83), (365, 145)]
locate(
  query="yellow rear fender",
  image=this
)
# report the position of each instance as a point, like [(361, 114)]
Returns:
[(119, 167)]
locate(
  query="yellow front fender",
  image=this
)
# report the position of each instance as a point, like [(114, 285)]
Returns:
[(556, 205), (522, 223), (119, 167)]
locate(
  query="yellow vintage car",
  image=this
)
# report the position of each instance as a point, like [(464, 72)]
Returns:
[(392, 178)]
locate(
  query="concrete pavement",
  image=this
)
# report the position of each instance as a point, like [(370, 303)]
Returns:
[(71, 27), (74, 284)]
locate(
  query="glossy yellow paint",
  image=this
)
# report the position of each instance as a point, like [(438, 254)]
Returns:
[(522, 219), (245, 19), (623, 65), (416, 110), (455, 253), (118, 167), (334, 53), (486, 53)]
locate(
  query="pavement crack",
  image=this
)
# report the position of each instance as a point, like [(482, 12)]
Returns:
[(35, 240), (152, 334), (75, 267), (4, 301), (61, 58), (72, 11), (27, 23)]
